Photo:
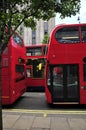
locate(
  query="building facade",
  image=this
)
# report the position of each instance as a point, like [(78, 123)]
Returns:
[(36, 36)]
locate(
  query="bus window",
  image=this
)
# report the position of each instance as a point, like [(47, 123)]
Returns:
[(20, 73), (57, 76), (58, 81), (67, 35), (38, 52), (29, 61), (83, 30), (5, 51), (34, 51), (38, 68), (17, 39), (84, 70), (28, 72)]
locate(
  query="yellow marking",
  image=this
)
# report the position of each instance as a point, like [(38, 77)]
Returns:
[(45, 112)]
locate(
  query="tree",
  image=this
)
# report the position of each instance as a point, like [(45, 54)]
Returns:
[(15, 12), (45, 39), (67, 8)]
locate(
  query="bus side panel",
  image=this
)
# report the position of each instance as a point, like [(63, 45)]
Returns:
[(10, 58), (83, 95), (35, 82), (19, 87), (17, 90), (20, 90), (5, 86)]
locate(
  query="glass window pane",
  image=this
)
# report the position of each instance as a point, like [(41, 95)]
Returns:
[(83, 30), (84, 70), (58, 81), (20, 73), (34, 51), (28, 72), (45, 27), (38, 68), (67, 35), (17, 39), (33, 37)]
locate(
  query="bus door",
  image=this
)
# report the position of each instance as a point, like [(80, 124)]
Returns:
[(65, 83)]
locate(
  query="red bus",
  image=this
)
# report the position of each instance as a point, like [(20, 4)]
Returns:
[(13, 70), (66, 65), (35, 66)]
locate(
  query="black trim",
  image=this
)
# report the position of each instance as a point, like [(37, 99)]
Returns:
[(19, 79)]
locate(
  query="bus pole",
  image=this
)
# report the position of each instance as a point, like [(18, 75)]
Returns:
[(2, 9)]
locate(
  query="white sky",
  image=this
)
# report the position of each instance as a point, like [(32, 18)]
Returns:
[(73, 19)]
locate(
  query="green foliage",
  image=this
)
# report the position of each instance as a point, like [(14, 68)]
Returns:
[(68, 8), (45, 39), (15, 12), (30, 22)]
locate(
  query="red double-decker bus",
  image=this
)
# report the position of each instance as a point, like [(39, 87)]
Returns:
[(66, 65), (35, 66), (13, 70)]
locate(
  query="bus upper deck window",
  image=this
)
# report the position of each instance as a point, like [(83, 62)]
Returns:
[(34, 51), (17, 39), (83, 30), (68, 35)]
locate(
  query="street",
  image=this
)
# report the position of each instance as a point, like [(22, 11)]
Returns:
[(31, 112), (37, 101)]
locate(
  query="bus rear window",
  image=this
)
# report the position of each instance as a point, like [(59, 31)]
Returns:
[(68, 35), (34, 51)]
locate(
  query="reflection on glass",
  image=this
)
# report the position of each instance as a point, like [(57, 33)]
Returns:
[(28, 72), (58, 82), (57, 76)]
